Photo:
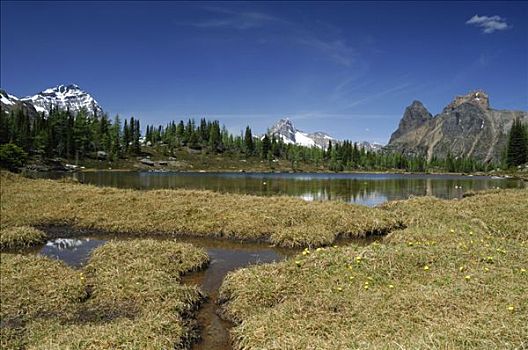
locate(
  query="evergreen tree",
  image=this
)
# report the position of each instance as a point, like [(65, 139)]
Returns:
[(248, 142), (215, 138), (203, 130), (136, 147), (126, 136), (115, 136), (266, 146), (194, 140), (180, 132), (517, 150)]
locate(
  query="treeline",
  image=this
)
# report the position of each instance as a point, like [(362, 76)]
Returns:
[(63, 134), (210, 137)]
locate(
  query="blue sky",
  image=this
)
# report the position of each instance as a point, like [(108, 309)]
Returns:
[(347, 68)]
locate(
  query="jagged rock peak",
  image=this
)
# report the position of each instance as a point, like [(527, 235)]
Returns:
[(414, 116), (478, 98), (285, 128)]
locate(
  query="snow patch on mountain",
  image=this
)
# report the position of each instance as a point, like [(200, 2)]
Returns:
[(285, 129), (304, 140), (65, 97), (8, 99)]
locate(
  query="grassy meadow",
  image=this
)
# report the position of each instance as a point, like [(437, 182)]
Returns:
[(283, 221), (449, 274), (454, 278), (128, 296)]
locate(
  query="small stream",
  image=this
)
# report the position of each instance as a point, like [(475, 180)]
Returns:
[(74, 248)]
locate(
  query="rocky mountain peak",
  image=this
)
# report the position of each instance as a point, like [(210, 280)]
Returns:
[(414, 116), (477, 98), (285, 128), (467, 127)]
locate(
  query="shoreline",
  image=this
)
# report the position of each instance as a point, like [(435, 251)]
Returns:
[(507, 175)]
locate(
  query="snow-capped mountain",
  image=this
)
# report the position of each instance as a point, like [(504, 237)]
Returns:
[(65, 97), (285, 129), (9, 103), (7, 99), (371, 146)]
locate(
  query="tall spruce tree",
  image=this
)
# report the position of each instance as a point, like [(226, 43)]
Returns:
[(266, 146), (517, 151), (248, 141)]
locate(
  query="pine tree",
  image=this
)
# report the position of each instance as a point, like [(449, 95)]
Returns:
[(517, 150), (126, 136), (266, 146), (215, 138), (136, 134), (116, 138), (248, 142)]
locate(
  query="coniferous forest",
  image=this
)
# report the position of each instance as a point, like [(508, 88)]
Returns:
[(62, 134)]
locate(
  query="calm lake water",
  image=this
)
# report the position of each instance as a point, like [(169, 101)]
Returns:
[(361, 188)]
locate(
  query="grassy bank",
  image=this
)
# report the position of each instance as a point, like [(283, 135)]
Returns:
[(282, 221), (455, 278), (20, 237), (128, 296)]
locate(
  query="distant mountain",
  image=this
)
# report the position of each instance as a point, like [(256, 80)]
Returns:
[(285, 129), (65, 97), (466, 127), (10, 103)]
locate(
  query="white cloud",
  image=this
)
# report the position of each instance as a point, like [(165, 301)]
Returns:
[(489, 24)]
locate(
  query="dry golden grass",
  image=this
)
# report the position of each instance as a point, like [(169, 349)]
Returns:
[(129, 296), (282, 221), (455, 278), (34, 288), (20, 237)]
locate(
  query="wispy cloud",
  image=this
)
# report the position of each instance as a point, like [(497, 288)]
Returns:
[(337, 50), (333, 47), (488, 24), (395, 89), (240, 20)]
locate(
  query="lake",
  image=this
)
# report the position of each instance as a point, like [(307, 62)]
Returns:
[(361, 188)]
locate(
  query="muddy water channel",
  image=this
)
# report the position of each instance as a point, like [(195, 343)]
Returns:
[(75, 248)]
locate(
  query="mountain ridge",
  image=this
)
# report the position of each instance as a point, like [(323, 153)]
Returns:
[(466, 127), (286, 130), (65, 97)]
